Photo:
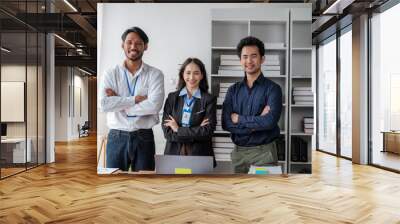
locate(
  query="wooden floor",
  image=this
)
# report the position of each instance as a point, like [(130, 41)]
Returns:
[(70, 191), (386, 159)]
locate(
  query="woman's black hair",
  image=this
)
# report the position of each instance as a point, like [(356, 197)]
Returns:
[(203, 83)]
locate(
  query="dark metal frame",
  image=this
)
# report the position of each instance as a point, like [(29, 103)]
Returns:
[(37, 164)]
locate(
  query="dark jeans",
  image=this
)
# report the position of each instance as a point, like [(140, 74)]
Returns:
[(131, 149)]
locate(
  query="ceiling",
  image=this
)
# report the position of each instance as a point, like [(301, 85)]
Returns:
[(76, 22)]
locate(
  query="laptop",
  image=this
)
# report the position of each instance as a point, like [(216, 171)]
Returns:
[(173, 164)]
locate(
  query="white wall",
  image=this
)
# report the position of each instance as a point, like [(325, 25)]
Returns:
[(68, 81)]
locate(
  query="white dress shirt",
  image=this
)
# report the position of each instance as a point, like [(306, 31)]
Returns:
[(122, 111)]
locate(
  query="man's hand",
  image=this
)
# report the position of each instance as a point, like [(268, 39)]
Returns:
[(139, 99), (265, 110), (204, 122), (235, 118), (110, 92)]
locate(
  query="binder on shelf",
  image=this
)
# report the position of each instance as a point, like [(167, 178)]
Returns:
[(299, 150)]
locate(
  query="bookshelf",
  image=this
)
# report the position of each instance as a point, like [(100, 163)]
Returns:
[(301, 94), (273, 27)]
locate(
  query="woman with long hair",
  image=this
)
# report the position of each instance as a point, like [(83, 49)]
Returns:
[(189, 117)]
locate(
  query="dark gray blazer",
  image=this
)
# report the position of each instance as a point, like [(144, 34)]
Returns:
[(199, 138)]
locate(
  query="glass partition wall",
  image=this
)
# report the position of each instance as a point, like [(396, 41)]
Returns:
[(385, 89), (22, 77), (327, 95), (334, 59)]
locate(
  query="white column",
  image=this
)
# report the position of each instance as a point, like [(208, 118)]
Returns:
[(360, 90)]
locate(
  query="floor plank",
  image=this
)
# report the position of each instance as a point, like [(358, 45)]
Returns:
[(70, 191)]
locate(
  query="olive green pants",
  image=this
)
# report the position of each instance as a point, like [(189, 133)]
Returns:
[(261, 155)]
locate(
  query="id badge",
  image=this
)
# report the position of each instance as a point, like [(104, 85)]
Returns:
[(186, 117)]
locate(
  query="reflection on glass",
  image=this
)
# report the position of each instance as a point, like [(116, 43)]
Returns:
[(13, 74), (327, 96), (385, 84), (346, 94)]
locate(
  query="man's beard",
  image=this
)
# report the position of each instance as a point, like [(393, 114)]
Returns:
[(137, 58)]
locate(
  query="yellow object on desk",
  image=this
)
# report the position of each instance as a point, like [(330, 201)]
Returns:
[(183, 171)]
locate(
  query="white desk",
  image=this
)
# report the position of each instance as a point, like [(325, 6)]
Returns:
[(18, 149)]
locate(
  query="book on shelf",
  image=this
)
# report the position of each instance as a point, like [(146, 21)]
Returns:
[(308, 120), (271, 67), (309, 130), (225, 84), (220, 100), (223, 150), (304, 103), (309, 125), (271, 62), (302, 93), (223, 89), (222, 95), (237, 63), (274, 45), (271, 57), (271, 73), (302, 75), (230, 62), (221, 139), (304, 98), (231, 67), (223, 157), (223, 145), (231, 73), (229, 57), (302, 88), (265, 170)]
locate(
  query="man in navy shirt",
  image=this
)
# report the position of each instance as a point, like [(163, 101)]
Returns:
[(251, 110)]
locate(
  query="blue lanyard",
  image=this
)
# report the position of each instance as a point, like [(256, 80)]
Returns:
[(131, 91), (188, 101)]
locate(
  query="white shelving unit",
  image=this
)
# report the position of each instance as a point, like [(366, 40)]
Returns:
[(273, 27), (300, 76)]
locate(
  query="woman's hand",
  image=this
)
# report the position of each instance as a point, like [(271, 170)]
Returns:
[(171, 123), (204, 122)]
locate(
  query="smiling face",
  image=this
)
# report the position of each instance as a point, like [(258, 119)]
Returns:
[(251, 60), (134, 47), (192, 76)]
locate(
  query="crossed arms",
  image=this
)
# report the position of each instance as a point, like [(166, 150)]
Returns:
[(237, 123), (110, 101)]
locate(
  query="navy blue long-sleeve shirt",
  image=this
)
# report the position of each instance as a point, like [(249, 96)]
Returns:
[(253, 128)]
